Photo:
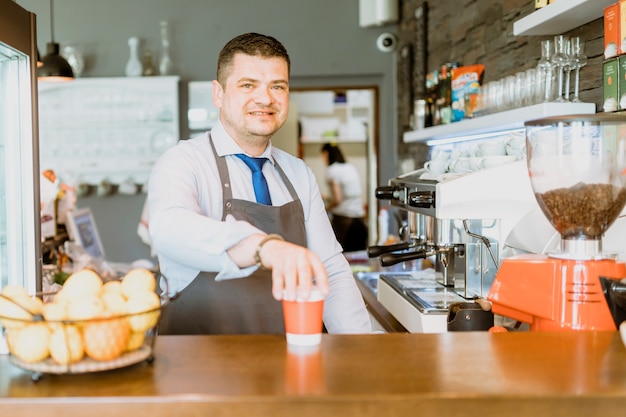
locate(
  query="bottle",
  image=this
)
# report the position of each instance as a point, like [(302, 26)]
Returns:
[(546, 73), (133, 66), (445, 95), (165, 64), (419, 114), (383, 226), (148, 67), (431, 97)]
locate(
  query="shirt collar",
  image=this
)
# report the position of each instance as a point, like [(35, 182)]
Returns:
[(226, 145)]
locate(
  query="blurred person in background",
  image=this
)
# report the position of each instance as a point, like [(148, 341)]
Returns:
[(344, 203)]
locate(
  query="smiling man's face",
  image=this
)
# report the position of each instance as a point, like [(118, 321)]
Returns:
[(255, 100)]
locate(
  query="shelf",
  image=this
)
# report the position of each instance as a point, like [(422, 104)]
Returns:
[(334, 139), (560, 17), (497, 122)]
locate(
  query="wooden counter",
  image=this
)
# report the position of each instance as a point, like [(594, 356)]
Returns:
[(473, 373)]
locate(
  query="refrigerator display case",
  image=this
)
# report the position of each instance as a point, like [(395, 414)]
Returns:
[(20, 231)]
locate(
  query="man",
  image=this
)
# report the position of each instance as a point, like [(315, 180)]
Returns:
[(209, 223)]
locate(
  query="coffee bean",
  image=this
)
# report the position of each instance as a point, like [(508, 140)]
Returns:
[(584, 210)]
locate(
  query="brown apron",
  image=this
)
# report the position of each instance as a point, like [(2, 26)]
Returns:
[(242, 305)]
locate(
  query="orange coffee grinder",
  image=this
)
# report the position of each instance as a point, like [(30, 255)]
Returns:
[(577, 168)]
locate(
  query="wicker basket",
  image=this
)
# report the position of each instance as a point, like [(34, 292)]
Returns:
[(79, 346)]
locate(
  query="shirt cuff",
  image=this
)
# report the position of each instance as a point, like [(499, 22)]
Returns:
[(230, 270)]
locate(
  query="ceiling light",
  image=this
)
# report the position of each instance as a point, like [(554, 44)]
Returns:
[(54, 67)]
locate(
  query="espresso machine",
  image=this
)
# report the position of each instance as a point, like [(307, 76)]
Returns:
[(577, 170), (459, 223)]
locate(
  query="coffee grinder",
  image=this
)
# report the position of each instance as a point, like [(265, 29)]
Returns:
[(577, 169)]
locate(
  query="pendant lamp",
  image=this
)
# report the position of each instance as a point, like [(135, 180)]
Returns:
[(55, 67)]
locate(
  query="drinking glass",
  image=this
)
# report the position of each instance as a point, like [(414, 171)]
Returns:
[(509, 92), (489, 96), (559, 60), (482, 103), (567, 69), (531, 87), (498, 95), (545, 71), (520, 89), (578, 61)]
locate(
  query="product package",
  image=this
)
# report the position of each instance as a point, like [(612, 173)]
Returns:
[(611, 83), (621, 82), (466, 82), (622, 27), (612, 44)]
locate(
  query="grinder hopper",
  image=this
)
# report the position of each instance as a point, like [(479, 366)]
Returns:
[(577, 169)]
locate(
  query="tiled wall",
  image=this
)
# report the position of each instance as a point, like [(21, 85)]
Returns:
[(481, 32)]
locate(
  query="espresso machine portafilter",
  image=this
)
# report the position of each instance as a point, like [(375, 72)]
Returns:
[(464, 259)]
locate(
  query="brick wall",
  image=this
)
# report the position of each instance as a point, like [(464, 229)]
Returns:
[(479, 32)]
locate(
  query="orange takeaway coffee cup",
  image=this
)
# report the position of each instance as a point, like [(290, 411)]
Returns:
[(303, 319)]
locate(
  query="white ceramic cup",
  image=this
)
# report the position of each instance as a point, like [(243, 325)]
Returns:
[(440, 155), (476, 162), (457, 152), (461, 165), (127, 187), (516, 146), (437, 166), (495, 147), (495, 160)]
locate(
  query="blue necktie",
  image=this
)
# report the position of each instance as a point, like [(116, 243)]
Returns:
[(261, 192)]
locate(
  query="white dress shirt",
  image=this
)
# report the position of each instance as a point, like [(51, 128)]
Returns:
[(189, 236)]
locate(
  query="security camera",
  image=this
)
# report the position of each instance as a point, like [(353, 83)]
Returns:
[(387, 42)]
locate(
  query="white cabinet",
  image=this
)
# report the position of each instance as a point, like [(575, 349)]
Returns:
[(107, 129), (325, 116)]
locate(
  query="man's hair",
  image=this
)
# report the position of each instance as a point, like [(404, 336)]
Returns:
[(253, 44)]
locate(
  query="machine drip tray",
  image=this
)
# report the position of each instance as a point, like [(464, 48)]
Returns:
[(433, 300), (425, 293)]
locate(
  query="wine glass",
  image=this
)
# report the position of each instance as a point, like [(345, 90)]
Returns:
[(545, 71), (559, 60), (567, 69), (578, 61)]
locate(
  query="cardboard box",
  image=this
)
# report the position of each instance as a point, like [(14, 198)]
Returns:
[(612, 43), (611, 77)]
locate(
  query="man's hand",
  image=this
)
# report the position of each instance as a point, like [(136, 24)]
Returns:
[(294, 269)]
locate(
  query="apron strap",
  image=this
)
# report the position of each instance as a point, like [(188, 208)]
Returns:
[(227, 192)]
